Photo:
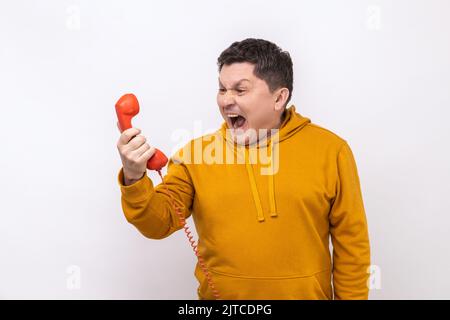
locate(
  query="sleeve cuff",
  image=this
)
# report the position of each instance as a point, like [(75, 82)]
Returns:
[(138, 191)]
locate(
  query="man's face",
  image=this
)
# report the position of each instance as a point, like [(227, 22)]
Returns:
[(246, 102)]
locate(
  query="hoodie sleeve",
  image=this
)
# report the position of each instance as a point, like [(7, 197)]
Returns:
[(349, 232), (150, 208)]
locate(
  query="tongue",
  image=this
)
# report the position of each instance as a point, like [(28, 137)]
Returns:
[(239, 122)]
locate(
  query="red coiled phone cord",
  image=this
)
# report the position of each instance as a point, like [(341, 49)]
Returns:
[(191, 241)]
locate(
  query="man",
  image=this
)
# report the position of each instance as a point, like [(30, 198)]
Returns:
[(264, 222)]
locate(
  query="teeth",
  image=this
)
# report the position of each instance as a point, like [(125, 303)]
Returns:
[(233, 115)]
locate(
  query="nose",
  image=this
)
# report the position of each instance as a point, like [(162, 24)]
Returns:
[(227, 98)]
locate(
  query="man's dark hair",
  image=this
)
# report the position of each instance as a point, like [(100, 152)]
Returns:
[(272, 64)]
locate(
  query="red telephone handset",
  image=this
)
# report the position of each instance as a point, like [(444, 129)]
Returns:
[(126, 108)]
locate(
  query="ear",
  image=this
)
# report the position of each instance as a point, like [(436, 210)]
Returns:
[(281, 95)]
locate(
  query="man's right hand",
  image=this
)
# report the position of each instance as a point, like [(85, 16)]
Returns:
[(134, 153)]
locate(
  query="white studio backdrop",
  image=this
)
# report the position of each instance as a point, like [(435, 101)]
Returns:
[(375, 72)]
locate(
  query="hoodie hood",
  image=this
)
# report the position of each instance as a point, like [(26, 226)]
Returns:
[(293, 122)]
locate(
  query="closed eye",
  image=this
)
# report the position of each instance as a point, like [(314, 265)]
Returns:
[(239, 91)]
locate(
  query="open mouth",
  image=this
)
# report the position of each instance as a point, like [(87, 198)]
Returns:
[(237, 121)]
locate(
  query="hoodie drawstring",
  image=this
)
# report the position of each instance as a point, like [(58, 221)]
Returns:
[(255, 194), (273, 207)]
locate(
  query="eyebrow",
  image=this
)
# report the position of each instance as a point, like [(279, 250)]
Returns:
[(237, 83)]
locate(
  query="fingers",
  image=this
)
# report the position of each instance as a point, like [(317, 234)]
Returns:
[(127, 135), (137, 152), (147, 154), (136, 142)]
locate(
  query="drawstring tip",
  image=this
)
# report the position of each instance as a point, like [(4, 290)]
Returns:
[(274, 214), (260, 219)]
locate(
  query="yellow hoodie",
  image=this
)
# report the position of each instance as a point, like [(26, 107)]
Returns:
[(265, 236)]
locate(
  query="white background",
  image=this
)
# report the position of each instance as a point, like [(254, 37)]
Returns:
[(377, 73)]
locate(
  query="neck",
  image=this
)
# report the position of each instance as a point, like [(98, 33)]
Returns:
[(280, 120), (278, 126)]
